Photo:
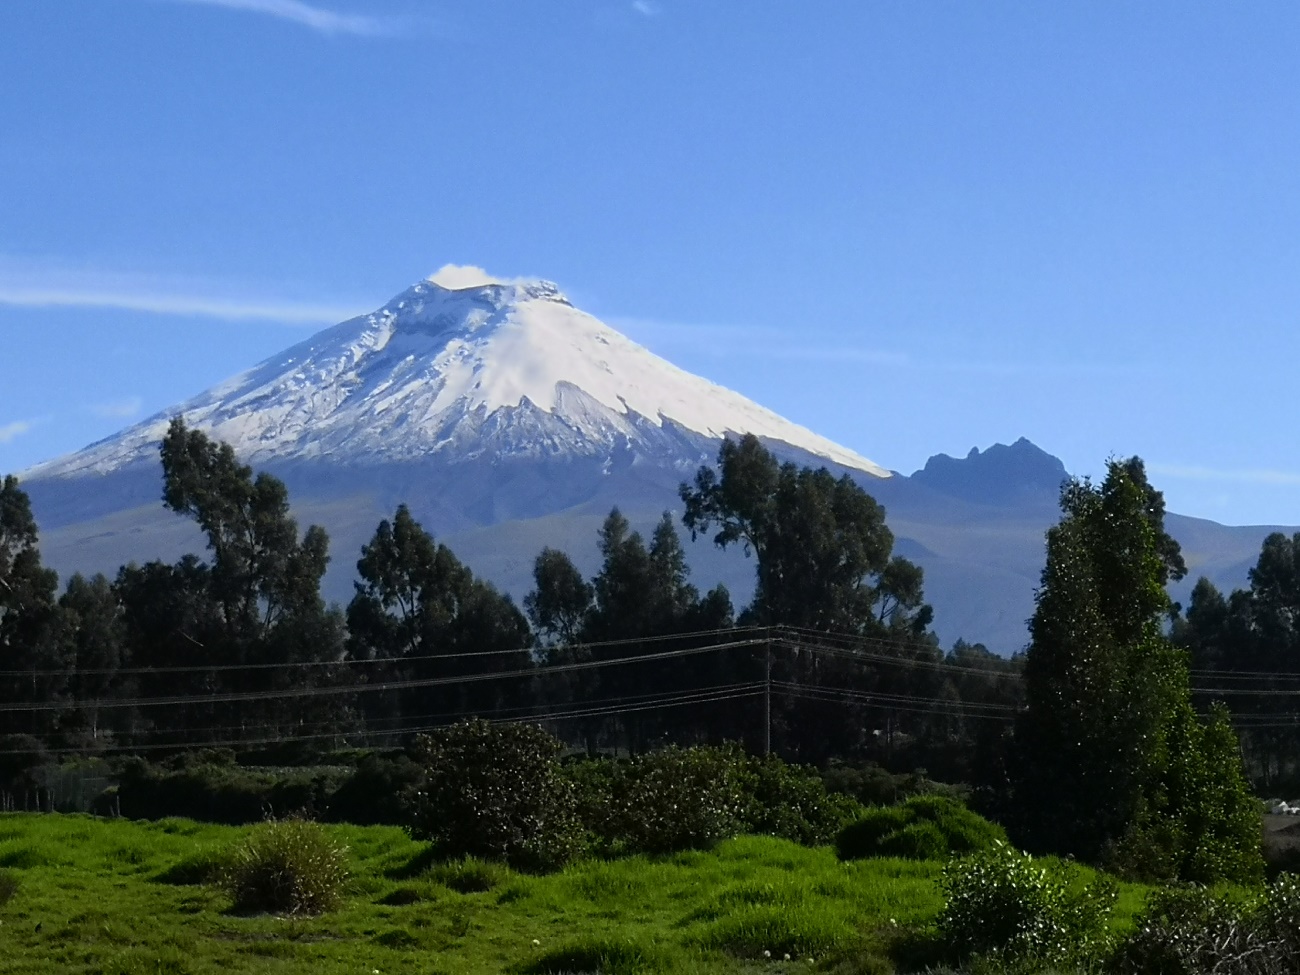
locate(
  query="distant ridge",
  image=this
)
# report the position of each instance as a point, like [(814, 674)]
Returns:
[(1000, 475)]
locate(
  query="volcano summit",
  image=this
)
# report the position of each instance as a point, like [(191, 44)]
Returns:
[(496, 368)]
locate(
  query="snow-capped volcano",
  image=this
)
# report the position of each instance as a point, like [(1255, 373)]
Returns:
[(463, 366)]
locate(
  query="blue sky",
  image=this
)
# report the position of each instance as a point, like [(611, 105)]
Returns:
[(915, 227)]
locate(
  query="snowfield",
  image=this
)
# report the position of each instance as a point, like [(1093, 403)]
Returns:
[(467, 368)]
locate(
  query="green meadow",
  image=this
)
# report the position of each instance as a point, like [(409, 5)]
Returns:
[(122, 897)]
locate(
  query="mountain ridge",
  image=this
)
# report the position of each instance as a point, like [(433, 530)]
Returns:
[(460, 402)]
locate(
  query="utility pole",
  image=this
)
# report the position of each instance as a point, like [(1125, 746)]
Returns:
[(767, 698)]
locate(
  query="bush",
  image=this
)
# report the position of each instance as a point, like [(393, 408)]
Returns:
[(289, 866), (678, 799), (595, 783), (791, 801), (872, 785), (930, 827), (1004, 905), (1192, 930), (1185, 931), (496, 792), (1279, 921), (376, 794), (210, 787)]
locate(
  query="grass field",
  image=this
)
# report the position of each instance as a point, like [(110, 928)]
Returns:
[(124, 897)]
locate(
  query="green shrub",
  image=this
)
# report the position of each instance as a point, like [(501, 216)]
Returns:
[(289, 866), (9, 885), (679, 799), (929, 827), (496, 792), (377, 792), (208, 786), (1279, 921), (595, 783), (1187, 931), (1004, 905), (872, 785), (791, 801)]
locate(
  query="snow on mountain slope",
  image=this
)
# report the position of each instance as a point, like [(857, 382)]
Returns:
[(465, 367)]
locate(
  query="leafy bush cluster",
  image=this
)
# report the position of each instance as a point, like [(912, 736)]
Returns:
[(1198, 930), (1007, 906), (671, 800), (290, 866), (793, 802), (872, 785), (500, 793), (925, 827), (496, 792), (209, 786)]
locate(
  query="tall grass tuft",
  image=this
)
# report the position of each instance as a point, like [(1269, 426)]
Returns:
[(604, 955), (288, 866), (8, 886)]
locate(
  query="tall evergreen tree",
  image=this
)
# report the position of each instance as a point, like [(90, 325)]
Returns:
[(1255, 632), (91, 627), (1110, 759), (28, 640)]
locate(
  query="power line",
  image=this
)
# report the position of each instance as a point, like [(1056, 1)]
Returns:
[(228, 697), (364, 661), (671, 700)]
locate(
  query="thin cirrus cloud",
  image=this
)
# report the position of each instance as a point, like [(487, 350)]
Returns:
[(319, 19), (169, 302), (647, 8), (1237, 476), (10, 432)]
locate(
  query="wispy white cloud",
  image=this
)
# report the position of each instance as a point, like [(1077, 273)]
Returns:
[(119, 409), (12, 431), (319, 19), (164, 303), (50, 283), (1235, 475), (647, 8)]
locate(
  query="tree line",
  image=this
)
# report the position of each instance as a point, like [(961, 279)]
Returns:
[(238, 647)]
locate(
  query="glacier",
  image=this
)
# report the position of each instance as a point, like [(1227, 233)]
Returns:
[(466, 369)]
